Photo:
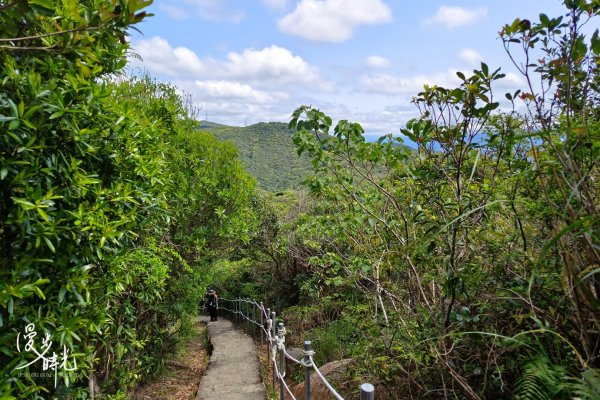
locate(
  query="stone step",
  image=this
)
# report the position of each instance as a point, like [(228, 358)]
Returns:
[(233, 372)]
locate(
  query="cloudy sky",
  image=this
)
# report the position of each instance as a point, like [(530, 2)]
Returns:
[(246, 61)]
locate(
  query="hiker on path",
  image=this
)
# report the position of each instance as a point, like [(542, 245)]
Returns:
[(211, 303)]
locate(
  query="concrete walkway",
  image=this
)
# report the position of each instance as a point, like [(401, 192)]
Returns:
[(233, 372)]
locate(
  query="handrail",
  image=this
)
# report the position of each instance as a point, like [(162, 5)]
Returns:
[(239, 308)]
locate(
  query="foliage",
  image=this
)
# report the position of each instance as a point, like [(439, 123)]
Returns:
[(468, 269), (566, 142), (94, 204), (78, 172), (147, 295), (211, 197), (540, 379), (587, 387), (267, 152)]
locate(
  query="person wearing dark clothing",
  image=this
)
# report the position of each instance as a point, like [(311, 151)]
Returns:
[(211, 303)]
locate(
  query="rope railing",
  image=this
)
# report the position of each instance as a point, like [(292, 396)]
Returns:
[(256, 315)]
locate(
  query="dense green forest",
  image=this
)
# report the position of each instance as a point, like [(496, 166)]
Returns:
[(111, 205), (466, 269), (267, 152)]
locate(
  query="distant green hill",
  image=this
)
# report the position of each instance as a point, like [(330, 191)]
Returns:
[(267, 151)]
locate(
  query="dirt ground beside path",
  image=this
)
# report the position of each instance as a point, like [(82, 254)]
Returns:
[(183, 371)]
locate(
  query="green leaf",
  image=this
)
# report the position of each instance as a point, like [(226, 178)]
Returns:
[(3, 173), (49, 244), (11, 306), (485, 69), (40, 293), (61, 294), (57, 114), (47, 4), (13, 108), (595, 43), (42, 213)]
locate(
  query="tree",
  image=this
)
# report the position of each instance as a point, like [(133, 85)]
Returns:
[(78, 171), (468, 250)]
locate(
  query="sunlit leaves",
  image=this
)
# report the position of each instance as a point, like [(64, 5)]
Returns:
[(64, 144)]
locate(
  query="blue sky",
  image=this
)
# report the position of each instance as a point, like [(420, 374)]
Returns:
[(246, 61)]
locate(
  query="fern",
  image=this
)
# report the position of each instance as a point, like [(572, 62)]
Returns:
[(540, 380), (587, 387)]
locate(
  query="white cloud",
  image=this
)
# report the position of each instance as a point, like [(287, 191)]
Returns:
[(333, 20), (378, 62), (471, 57), (270, 67), (159, 57), (393, 86), (247, 86), (230, 90), (512, 81), (402, 87), (454, 17), (390, 119), (274, 63)]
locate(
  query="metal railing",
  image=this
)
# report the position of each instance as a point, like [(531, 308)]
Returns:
[(257, 317)]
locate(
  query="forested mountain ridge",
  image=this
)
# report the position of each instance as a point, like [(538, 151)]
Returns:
[(266, 151)]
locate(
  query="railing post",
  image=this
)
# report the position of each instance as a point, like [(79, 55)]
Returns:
[(249, 320), (367, 392), (253, 318), (247, 315), (237, 310), (307, 366), (268, 315), (242, 320), (262, 324), (273, 328), (281, 334)]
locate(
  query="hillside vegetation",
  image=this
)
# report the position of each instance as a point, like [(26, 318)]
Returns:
[(267, 151), (469, 269), (111, 205)]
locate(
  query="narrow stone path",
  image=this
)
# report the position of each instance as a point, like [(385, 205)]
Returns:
[(233, 372)]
